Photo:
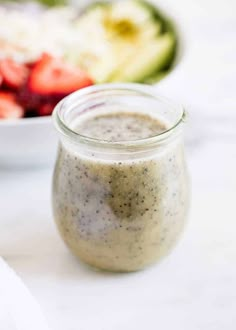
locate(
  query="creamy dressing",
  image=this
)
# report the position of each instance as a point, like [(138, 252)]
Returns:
[(121, 215), (116, 127)]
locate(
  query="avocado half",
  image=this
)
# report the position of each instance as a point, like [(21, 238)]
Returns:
[(140, 42)]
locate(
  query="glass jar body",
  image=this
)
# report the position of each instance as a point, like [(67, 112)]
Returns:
[(121, 213), (120, 206)]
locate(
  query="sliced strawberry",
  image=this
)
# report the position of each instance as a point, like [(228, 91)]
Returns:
[(9, 108), (14, 74), (30, 65), (1, 79), (46, 109), (52, 76), (28, 99)]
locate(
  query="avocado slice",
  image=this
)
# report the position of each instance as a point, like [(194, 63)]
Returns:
[(152, 57)]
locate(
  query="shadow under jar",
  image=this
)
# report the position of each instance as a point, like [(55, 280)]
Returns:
[(120, 186)]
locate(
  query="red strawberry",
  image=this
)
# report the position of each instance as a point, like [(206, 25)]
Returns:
[(52, 76), (46, 109), (28, 99), (14, 74), (9, 108)]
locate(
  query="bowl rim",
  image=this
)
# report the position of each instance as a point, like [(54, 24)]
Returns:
[(180, 53), (25, 121)]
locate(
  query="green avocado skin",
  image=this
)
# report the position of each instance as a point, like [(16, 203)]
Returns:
[(167, 27), (54, 2)]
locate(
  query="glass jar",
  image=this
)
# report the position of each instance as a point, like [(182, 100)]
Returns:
[(120, 206)]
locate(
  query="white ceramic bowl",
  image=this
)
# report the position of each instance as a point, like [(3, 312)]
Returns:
[(27, 142), (33, 141)]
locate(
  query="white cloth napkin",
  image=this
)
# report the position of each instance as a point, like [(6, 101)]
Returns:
[(18, 309)]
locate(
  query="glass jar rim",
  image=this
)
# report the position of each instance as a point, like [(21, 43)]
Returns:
[(139, 89)]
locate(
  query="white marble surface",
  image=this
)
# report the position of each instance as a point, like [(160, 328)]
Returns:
[(18, 308), (195, 287)]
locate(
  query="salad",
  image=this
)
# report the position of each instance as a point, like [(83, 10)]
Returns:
[(45, 54)]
